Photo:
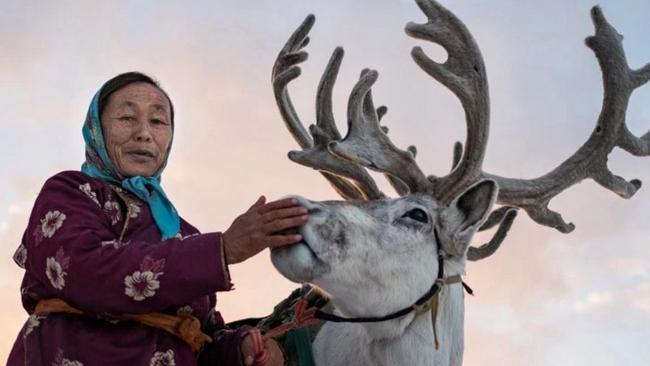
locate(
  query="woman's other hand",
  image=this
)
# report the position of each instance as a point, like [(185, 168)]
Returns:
[(257, 351), (261, 227)]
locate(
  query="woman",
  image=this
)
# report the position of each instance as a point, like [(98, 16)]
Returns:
[(107, 256)]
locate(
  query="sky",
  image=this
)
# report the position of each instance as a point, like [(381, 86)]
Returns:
[(545, 298)]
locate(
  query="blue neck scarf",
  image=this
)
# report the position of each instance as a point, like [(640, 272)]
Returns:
[(99, 165)]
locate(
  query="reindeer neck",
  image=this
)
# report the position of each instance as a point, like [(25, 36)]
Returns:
[(450, 326), (414, 332), (405, 340), (394, 325)]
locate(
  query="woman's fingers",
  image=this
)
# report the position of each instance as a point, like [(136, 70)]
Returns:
[(283, 203), (260, 202), (275, 353), (249, 361), (282, 240), (247, 350), (262, 226), (283, 213), (283, 224), (257, 351)]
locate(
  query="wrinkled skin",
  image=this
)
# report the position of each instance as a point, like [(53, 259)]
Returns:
[(137, 129)]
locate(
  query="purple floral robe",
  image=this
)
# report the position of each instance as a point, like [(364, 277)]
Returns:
[(97, 247)]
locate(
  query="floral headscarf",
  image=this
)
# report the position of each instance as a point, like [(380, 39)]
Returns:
[(99, 165)]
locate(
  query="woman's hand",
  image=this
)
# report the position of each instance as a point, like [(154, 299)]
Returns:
[(266, 353), (259, 227)]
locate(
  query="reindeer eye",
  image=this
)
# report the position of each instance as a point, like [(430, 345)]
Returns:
[(417, 215)]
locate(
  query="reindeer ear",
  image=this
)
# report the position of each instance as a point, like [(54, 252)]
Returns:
[(467, 213)]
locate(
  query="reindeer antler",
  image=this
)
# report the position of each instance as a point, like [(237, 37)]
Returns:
[(464, 74), (367, 144), (315, 152), (590, 160)]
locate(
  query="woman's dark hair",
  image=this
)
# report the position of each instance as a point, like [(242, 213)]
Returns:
[(122, 80)]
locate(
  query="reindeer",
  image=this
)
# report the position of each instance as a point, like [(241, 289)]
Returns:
[(392, 266)]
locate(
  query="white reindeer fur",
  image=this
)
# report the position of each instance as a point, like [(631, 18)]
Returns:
[(372, 261)]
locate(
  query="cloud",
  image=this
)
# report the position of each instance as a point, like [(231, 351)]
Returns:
[(15, 209), (640, 297), (595, 300), (631, 267), (635, 298)]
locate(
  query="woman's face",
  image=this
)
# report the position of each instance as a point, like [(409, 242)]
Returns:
[(137, 129)]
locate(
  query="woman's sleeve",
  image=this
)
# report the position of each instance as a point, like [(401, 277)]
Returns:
[(74, 253)]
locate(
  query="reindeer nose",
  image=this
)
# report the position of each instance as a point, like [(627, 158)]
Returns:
[(314, 210)]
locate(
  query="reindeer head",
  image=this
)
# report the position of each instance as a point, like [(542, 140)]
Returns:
[(346, 242), (363, 251)]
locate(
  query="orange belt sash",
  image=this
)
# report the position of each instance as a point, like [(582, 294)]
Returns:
[(185, 327)]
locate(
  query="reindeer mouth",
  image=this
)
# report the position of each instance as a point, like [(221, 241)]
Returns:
[(299, 262), (311, 250), (292, 231)]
